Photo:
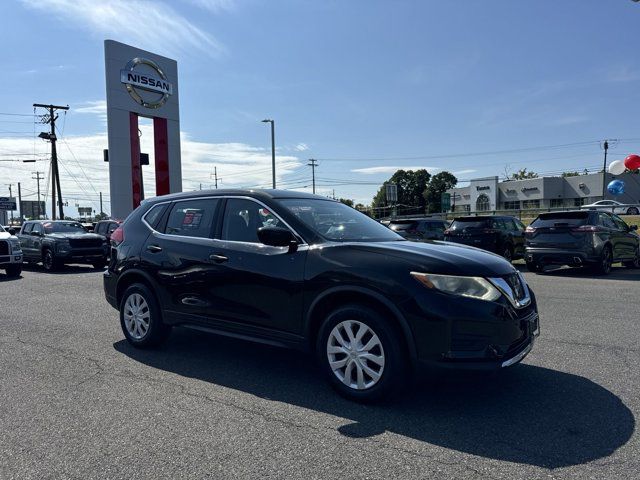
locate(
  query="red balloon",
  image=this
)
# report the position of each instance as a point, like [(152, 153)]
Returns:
[(632, 162)]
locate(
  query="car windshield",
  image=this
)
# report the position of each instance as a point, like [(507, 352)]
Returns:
[(402, 226), (337, 221), (63, 227), (462, 223), (571, 219)]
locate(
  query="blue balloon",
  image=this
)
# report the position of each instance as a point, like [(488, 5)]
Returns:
[(616, 187)]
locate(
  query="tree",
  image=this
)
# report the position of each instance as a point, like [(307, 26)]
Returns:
[(440, 183), (570, 174), (101, 216), (523, 174), (346, 201), (411, 185)]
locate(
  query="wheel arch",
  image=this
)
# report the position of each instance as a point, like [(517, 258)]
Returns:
[(343, 295), (134, 276)]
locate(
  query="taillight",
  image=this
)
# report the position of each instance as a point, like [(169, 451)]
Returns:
[(586, 228), (117, 236), (529, 229)]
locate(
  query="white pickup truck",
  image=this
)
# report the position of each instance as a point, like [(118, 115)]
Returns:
[(10, 254)]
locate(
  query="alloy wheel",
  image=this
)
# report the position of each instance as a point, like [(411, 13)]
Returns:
[(137, 316), (606, 261), (47, 261), (355, 354)]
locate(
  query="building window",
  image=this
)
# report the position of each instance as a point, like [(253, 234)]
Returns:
[(527, 204), (557, 203), (462, 208), (578, 202), (482, 203), (513, 205)]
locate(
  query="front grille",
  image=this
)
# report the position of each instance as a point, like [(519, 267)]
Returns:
[(85, 242), (4, 247)]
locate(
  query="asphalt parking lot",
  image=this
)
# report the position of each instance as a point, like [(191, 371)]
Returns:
[(77, 402)]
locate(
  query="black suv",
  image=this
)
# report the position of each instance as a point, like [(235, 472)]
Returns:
[(581, 238), (503, 235), (302, 271), (419, 229), (55, 243)]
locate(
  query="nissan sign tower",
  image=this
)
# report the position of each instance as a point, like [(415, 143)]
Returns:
[(140, 83)]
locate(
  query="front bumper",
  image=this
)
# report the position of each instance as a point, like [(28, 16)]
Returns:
[(81, 255), (109, 283), (468, 334), (14, 258)]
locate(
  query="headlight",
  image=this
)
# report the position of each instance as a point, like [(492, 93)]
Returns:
[(15, 245), (473, 287)]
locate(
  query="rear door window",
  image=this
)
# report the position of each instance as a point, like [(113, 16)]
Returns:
[(27, 228), (606, 221), (193, 218)]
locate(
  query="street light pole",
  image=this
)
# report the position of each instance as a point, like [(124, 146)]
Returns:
[(604, 169), (273, 151)]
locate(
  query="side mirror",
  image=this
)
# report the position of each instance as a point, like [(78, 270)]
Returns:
[(277, 237), (633, 227), (12, 231)]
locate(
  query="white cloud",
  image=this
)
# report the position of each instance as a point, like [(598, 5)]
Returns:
[(391, 169), (301, 147), (215, 6), (93, 107), (130, 20), (463, 172), (84, 173)]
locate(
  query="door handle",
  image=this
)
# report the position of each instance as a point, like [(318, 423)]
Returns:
[(217, 258), (154, 248)]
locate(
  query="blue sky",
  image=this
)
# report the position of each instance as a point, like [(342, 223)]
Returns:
[(363, 86)]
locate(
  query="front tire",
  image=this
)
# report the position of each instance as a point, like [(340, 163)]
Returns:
[(49, 261), (140, 317), (14, 271), (533, 267), (635, 263), (99, 265), (632, 211), (360, 354)]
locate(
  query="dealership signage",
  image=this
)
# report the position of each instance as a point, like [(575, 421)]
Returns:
[(136, 79), (7, 203), (482, 187)]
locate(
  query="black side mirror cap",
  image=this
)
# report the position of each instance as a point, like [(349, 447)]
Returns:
[(633, 227), (277, 237)]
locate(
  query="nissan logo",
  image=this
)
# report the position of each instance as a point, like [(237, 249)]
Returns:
[(136, 80)]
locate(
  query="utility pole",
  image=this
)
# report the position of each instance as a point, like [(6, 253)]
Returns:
[(20, 204), (38, 178), (101, 211), (10, 196), (604, 169), (313, 163), (215, 175), (273, 151), (55, 174)]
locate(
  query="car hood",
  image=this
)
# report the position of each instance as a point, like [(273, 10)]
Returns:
[(442, 257), (60, 235), (6, 236)]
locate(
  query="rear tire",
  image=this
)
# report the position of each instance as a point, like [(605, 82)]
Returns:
[(361, 355), (14, 271), (141, 319), (632, 211), (533, 267), (603, 267), (99, 265)]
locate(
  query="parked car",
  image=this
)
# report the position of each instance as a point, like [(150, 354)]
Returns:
[(614, 207), (419, 229), (503, 235), (10, 253), (302, 271), (581, 238), (55, 243), (105, 228)]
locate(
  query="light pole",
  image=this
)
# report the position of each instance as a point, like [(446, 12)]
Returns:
[(273, 150)]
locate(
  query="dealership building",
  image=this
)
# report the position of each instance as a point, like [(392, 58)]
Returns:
[(489, 194)]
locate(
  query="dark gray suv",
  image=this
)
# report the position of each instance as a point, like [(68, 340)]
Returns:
[(581, 238)]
